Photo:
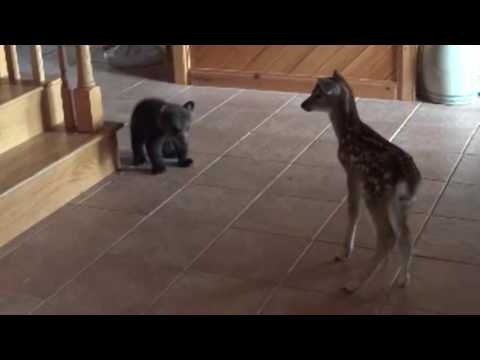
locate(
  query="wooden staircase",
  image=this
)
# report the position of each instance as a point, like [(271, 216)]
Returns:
[(54, 144)]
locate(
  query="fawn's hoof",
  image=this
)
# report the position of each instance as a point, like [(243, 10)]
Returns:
[(404, 281), (343, 257), (351, 286)]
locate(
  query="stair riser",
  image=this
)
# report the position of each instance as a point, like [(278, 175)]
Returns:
[(46, 192), (21, 119), (30, 114)]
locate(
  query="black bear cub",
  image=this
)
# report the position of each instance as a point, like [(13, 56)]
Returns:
[(163, 129)]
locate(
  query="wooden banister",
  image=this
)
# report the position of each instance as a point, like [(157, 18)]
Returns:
[(67, 93), (3, 64), (84, 67), (38, 71), (12, 63), (88, 97)]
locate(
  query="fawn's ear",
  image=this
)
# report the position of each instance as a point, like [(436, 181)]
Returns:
[(338, 76), (329, 87), (189, 105)]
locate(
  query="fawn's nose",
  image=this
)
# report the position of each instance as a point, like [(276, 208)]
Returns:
[(306, 106)]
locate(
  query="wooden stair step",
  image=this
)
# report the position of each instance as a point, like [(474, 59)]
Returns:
[(27, 110), (44, 173), (9, 92)]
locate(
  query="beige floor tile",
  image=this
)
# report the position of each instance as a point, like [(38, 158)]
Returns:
[(322, 154), (428, 137), (263, 147), (440, 286), (207, 294), (286, 215), (468, 171), (318, 270), (153, 88), (474, 146), (251, 255), (57, 252), (212, 141), (116, 284), (334, 231), (300, 302), (261, 100), (139, 194), (170, 242), (174, 173), (392, 310), (314, 183), (14, 304), (240, 173), (233, 119), (451, 239), (461, 201), (434, 165), (206, 99), (427, 194), (295, 123), (450, 117), (207, 204)]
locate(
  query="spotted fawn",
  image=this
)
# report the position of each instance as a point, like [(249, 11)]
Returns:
[(379, 172)]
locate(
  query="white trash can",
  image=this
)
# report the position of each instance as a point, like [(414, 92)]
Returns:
[(450, 73)]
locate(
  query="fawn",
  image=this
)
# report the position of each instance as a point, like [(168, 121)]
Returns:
[(378, 171)]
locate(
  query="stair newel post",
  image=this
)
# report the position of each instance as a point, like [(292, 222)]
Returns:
[(88, 97)]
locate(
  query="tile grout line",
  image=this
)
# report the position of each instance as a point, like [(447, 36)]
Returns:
[(299, 258), (217, 106), (185, 89), (140, 82), (459, 262), (461, 218), (134, 85), (242, 212), (162, 204), (294, 196), (93, 193)]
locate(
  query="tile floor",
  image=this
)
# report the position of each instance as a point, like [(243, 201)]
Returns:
[(254, 225)]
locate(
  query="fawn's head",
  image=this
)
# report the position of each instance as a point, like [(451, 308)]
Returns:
[(329, 94)]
